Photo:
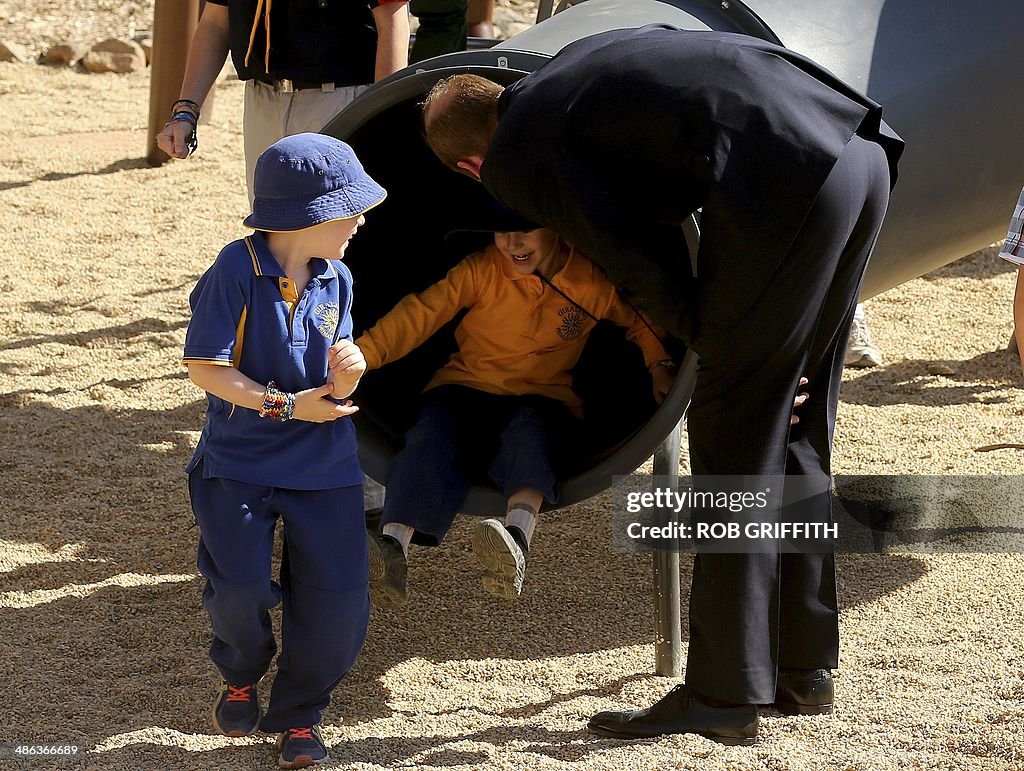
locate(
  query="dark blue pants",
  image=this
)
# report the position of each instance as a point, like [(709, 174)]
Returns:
[(323, 586), (462, 433), (751, 614)]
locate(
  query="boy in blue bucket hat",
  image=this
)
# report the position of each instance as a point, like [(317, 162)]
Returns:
[(278, 444)]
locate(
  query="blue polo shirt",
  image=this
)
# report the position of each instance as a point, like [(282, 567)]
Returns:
[(247, 314)]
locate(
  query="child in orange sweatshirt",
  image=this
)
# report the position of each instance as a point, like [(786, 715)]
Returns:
[(531, 301)]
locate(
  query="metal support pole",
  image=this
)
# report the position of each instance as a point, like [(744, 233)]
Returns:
[(668, 644), (174, 23), (544, 9)]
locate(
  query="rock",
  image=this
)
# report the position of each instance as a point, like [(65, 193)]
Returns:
[(64, 54), (118, 46), (940, 369), (12, 52), (106, 61), (114, 55)]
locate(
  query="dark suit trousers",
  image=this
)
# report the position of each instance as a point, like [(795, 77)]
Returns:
[(751, 614)]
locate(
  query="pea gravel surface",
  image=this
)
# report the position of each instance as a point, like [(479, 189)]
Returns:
[(104, 638)]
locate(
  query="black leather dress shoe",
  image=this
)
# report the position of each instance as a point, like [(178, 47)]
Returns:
[(804, 692), (680, 712)]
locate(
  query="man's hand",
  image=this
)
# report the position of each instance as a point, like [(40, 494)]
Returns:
[(311, 406), (801, 397), (347, 365)]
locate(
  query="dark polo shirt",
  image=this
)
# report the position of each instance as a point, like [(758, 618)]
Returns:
[(622, 135), (316, 41)]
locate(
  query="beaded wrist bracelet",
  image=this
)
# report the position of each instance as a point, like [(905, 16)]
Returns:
[(184, 115), (278, 405), (188, 104)]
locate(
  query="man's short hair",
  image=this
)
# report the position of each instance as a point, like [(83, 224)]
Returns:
[(460, 114)]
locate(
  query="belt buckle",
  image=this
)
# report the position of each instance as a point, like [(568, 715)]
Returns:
[(285, 86)]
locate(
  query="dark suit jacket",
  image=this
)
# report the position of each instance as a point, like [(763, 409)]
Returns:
[(622, 135)]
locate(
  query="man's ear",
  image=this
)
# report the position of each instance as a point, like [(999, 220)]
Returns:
[(470, 166)]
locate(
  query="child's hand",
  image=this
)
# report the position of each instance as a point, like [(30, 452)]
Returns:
[(663, 377), (311, 406), (347, 365), (798, 401)]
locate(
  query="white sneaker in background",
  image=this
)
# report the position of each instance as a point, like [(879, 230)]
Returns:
[(860, 352)]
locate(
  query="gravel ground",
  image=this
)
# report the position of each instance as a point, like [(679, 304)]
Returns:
[(104, 637)]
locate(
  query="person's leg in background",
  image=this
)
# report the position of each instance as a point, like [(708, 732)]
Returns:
[(263, 120), (271, 115), (480, 18), (861, 350), (442, 28)]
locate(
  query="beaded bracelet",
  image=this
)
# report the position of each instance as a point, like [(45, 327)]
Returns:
[(278, 405), (192, 106), (184, 115)]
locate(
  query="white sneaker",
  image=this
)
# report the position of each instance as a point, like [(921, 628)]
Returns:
[(503, 558), (860, 352)]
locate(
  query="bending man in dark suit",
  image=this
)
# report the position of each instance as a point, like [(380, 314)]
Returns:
[(613, 143)]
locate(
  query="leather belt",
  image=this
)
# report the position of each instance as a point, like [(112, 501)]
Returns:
[(285, 86)]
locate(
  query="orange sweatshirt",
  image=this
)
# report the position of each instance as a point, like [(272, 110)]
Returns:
[(519, 336)]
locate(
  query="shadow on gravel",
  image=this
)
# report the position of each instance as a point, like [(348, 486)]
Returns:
[(909, 382), (56, 176), (984, 263), (100, 602), (85, 338)]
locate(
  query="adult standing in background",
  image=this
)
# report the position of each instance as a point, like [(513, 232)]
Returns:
[(303, 62), (613, 143)]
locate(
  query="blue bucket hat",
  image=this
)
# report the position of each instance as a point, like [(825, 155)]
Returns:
[(307, 179)]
